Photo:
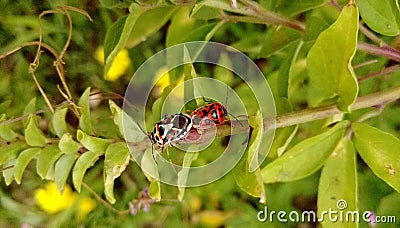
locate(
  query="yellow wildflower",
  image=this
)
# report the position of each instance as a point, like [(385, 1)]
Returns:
[(85, 206), (50, 199), (164, 81), (118, 67)]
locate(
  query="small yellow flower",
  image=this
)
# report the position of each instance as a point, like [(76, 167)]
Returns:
[(50, 199), (164, 81), (85, 205), (118, 67)]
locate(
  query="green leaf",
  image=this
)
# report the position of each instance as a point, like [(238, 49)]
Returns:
[(113, 35), (155, 190), (46, 159), (8, 174), (181, 24), (29, 109), (338, 183), (201, 12), (59, 122), (314, 27), (150, 170), (117, 113), (94, 144), (116, 159), (62, 169), (276, 39), (125, 124), (292, 8), (85, 161), (4, 106), (305, 157), (381, 16), (117, 36), (247, 173), (389, 206), (286, 67), (10, 150), (329, 62), (251, 183), (5, 131), (148, 23), (22, 162), (84, 121), (33, 135), (283, 137), (68, 145), (183, 174), (381, 151), (116, 3)]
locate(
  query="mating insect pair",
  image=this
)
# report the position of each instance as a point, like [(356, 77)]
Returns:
[(176, 127)]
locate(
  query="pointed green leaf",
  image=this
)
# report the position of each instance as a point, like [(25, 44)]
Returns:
[(59, 122), (148, 23), (46, 159), (247, 173), (4, 106), (381, 151), (84, 162), (8, 174), (155, 190), (33, 135), (22, 161), (183, 173), (117, 37), (150, 170), (329, 62), (84, 121), (128, 128), (338, 183), (62, 169), (94, 144), (116, 159), (305, 157), (381, 16), (5, 130), (277, 39), (181, 24), (68, 145), (251, 183), (286, 66), (292, 8), (29, 109), (10, 150)]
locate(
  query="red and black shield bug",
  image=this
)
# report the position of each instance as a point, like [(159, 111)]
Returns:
[(212, 114), (170, 129)]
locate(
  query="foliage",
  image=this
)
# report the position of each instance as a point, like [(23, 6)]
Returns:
[(335, 82)]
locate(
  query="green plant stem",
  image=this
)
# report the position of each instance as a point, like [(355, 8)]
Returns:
[(377, 99)]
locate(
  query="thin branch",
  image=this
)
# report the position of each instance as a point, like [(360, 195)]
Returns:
[(105, 203), (372, 100), (385, 51), (385, 70), (46, 99)]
